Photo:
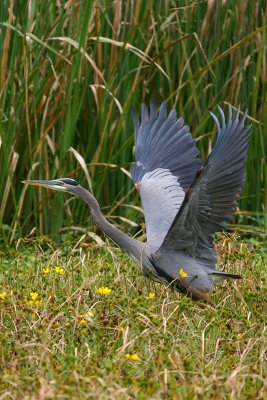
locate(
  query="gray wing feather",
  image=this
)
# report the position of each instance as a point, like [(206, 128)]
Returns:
[(162, 141), (161, 197), (166, 164), (213, 195)]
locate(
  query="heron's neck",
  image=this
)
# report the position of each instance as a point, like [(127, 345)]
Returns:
[(132, 246)]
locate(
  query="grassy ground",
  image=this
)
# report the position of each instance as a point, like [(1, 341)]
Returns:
[(70, 72), (60, 339)]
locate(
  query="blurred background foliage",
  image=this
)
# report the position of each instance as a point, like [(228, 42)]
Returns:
[(72, 70)]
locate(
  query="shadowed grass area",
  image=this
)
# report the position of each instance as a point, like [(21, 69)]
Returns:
[(61, 338)]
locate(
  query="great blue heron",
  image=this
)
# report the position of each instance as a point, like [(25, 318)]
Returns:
[(185, 202)]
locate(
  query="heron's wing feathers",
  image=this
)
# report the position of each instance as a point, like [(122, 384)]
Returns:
[(166, 163), (213, 196), (164, 142), (161, 197)]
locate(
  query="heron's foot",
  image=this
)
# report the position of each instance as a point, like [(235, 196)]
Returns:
[(196, 294)]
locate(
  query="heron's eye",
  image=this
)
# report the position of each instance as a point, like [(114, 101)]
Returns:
[(60, 183)]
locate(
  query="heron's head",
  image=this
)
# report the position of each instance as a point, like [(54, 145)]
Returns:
[(62, 184)]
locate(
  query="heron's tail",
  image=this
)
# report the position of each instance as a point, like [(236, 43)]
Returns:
[(221, 276)]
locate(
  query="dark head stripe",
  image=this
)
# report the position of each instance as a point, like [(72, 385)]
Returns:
[(70, 181)]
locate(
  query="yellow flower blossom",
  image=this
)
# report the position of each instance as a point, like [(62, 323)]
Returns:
[(46, 270), (60, 270), (132, 357), (34, 295), (151, 295), (35, 300), (182, 273), (103, 290), (87, 317), (3, 295)]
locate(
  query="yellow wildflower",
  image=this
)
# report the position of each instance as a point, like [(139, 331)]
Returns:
[(35, 300), (60, 270), (34, 295), (3, 295), (151, 295), (132, 357), (103, 290), (87, 317), (46, 270), (182, 273)]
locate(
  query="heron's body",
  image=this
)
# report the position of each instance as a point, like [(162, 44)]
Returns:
[(166, 268), (184, 202)]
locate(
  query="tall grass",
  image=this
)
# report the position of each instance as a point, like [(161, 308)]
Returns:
[(72, 70)]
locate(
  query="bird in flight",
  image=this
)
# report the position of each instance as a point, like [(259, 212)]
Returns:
[(185, 201)]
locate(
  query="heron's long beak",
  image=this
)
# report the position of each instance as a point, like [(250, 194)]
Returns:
[(54, 184)]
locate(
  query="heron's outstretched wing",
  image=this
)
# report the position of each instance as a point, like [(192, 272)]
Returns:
[(213, 196), (162, 141), (166, 164)]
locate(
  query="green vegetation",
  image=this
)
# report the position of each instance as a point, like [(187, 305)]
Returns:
[(72, 70), (60, 339)]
